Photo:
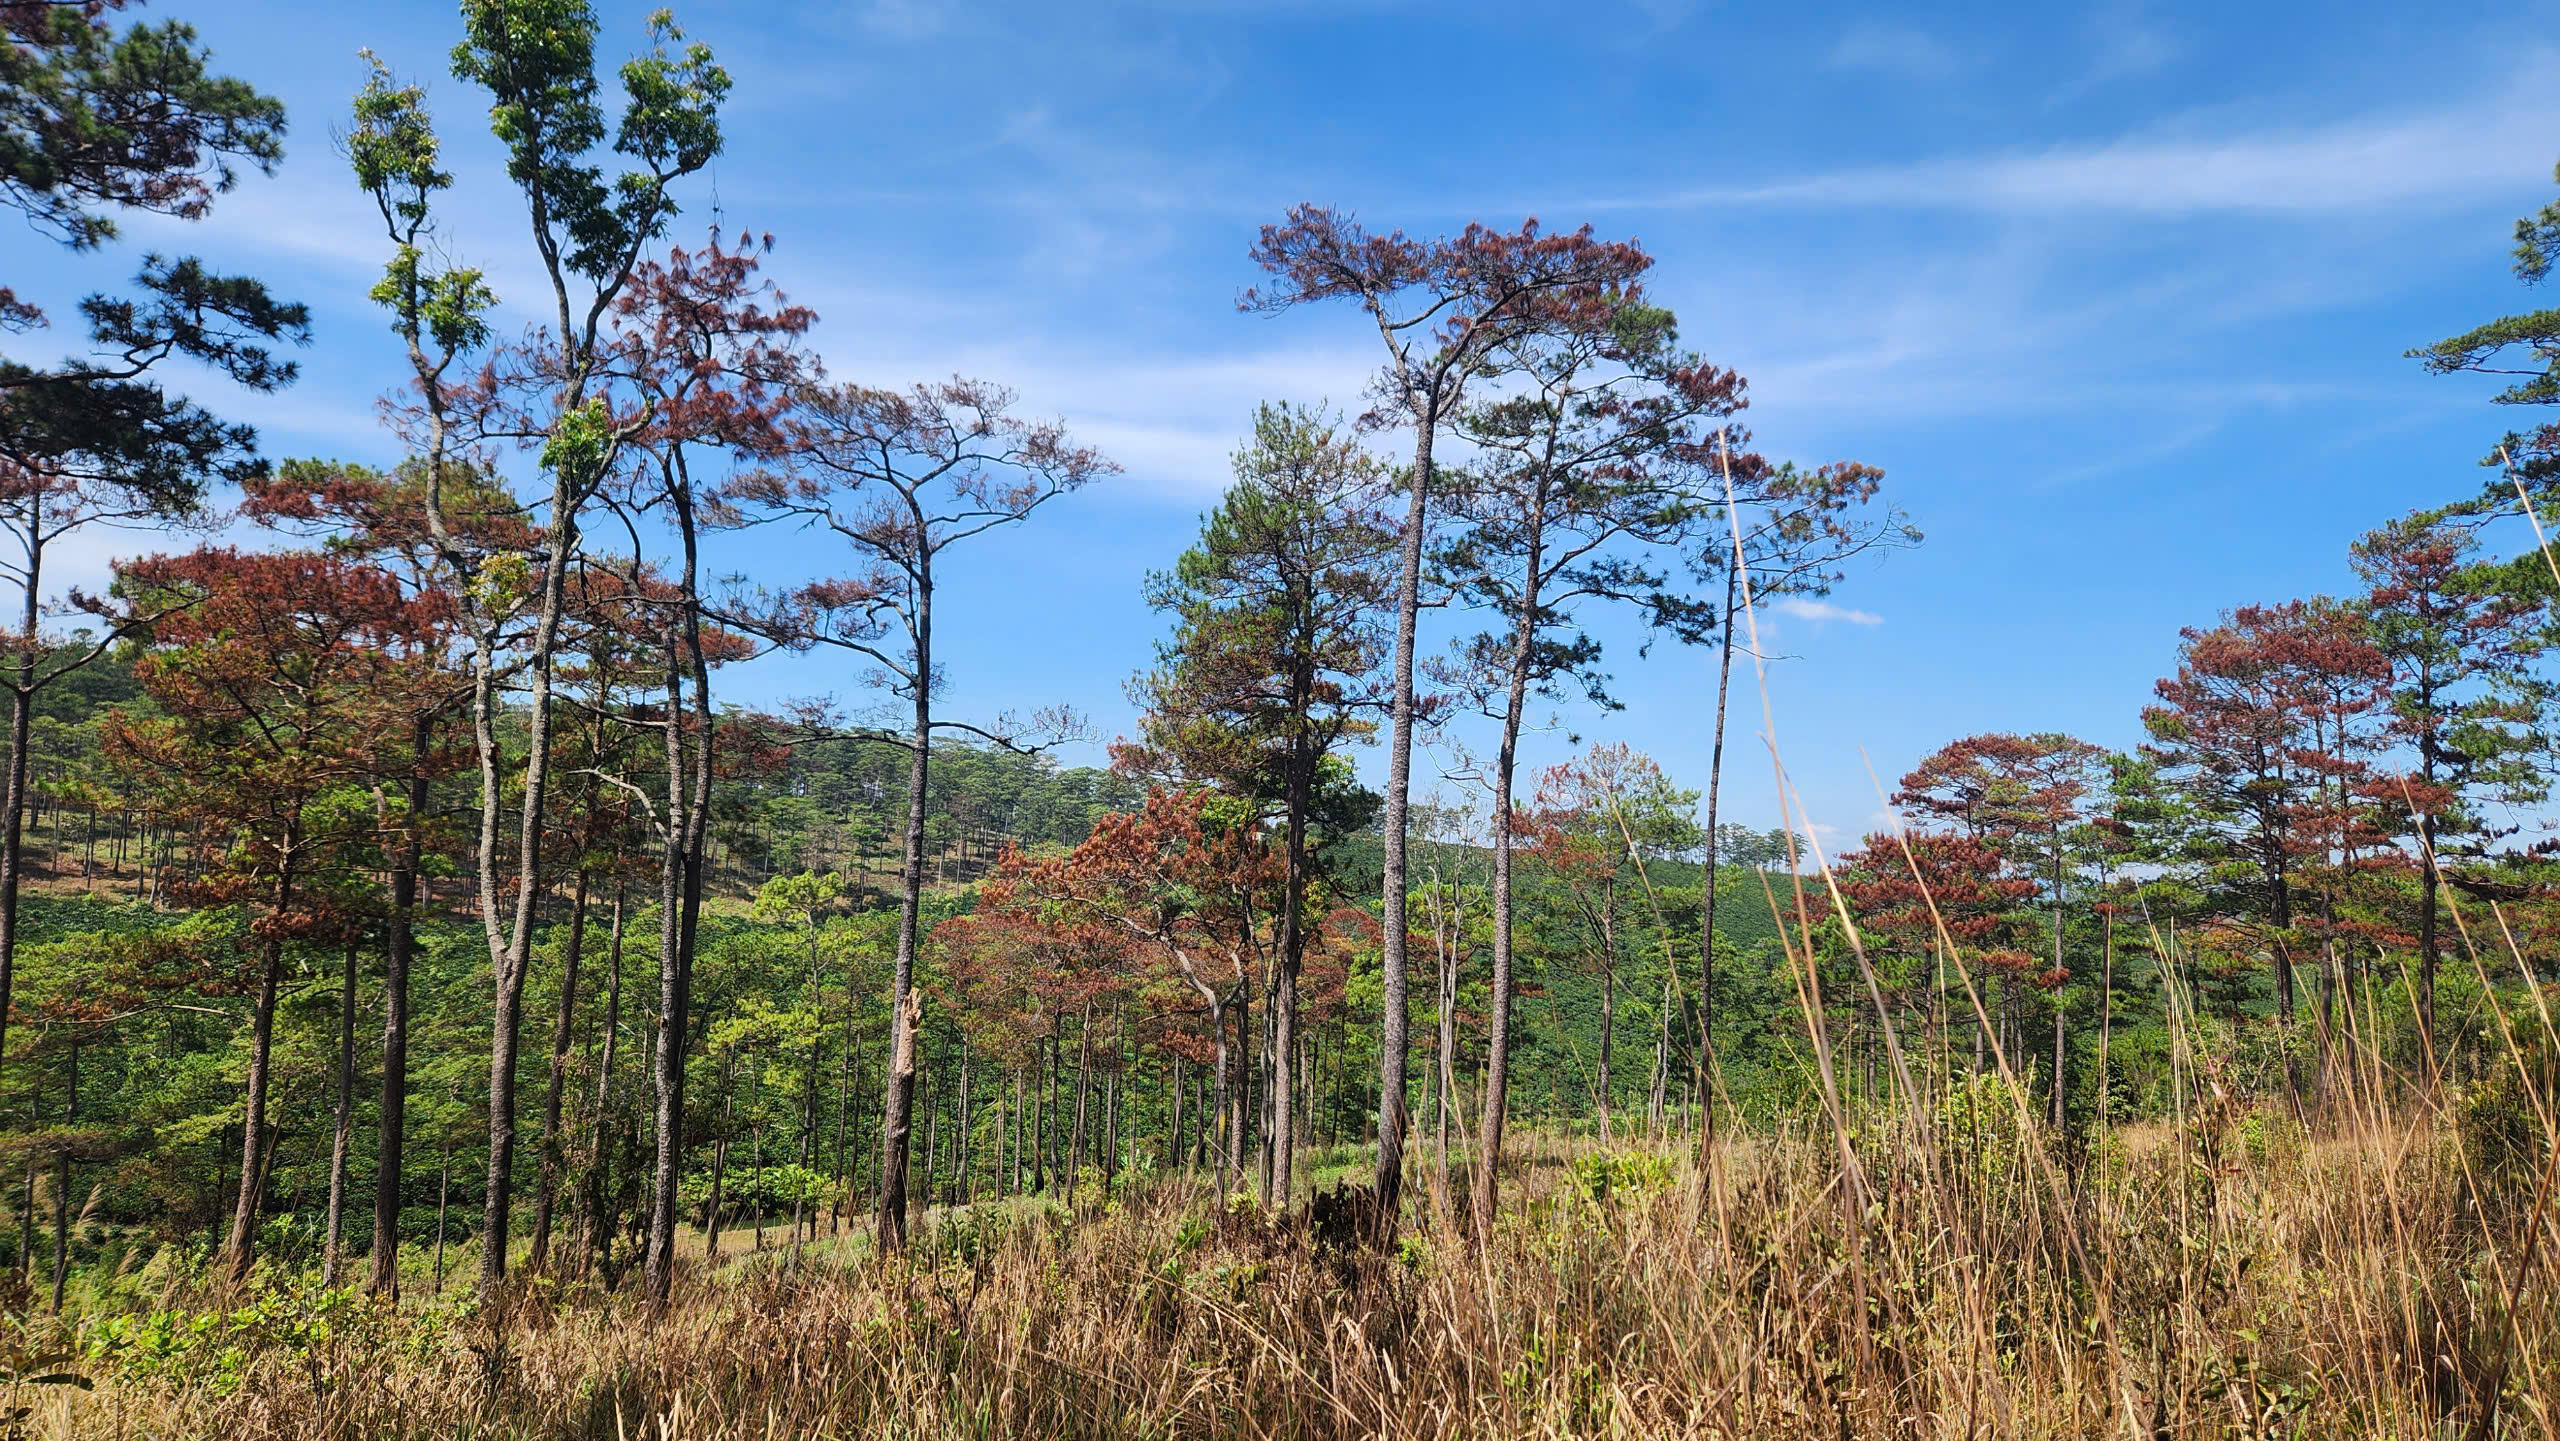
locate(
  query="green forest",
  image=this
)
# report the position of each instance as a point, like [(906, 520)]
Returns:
[(444, 991)]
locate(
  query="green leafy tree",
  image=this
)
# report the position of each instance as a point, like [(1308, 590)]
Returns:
[(551, 394)]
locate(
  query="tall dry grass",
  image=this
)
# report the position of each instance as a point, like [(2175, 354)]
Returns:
[(2232, 1274)]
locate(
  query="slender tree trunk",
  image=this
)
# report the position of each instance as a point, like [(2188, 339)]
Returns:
[(1043, 1109), (343, 1119), (511, 942), (844, 1118), (906, 1004), (2061, 1055), (13, 808), (719, 1167), (1222, 1064), (254, 1138), (1240, 1122), (1392, 962), (1658, 1097), (755, 1153), (809, 1099), (62, 1182), (1019, 1108), (1498, 1003), (680, 900), (563, 1030), (1111, 1122), (24, 1267), (391, 1126), (1705, 1069), (599, 1229), (928, 1097), (960, 1130), (444, 1194), (1173, 1108), (1263, 1155), (1203, 1122), (2429, 898), (1293, 903), (1444, 1060), (1608, 1002), (2061, 1047), (1084, 1088), (2106, 1007)]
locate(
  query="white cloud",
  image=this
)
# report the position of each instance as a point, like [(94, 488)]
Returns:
[(2499, 145), (1893, 50), (1805, 608)]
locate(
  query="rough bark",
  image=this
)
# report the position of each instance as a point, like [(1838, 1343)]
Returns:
[(1392, 1042), (254, 1136), (599, 1229), (391, 1127), (906, 1004), (342, 1118), (1498, 1001), (546, 1191)]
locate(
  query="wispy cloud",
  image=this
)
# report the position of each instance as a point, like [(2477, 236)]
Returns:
[(1805, 608), (2491, 146), (1893, 50)]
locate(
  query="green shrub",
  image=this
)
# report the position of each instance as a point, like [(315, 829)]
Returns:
[(2503, 1137), (1607, 1176)]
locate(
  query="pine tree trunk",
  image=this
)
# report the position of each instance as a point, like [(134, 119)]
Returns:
[(598, 1238), (1173, 1108), (719, 1170), (1498, 1002), (554, 1142), (1084, 1088), (62, 1182), (342, 1121), (2106, 1009), (906, 1004), (680, 881), (390, 1127), (960, 1130), (444, 1194), (238, 1252), (13, 805), (1392, 961), (1608, 1004)]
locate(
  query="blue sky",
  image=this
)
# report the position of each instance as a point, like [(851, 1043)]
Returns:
[(2115, 295)]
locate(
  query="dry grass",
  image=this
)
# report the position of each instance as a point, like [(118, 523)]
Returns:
[(2232, 1276)]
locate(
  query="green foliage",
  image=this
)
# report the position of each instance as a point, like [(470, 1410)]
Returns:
[(2499, 1123), (1608, 1177), (580, 444), (536, 58), (1984, 1126), (219, 1350)]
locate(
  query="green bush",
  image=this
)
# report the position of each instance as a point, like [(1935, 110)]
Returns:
[(1607, 1176), (1985, 1125), (2502, 1135)]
